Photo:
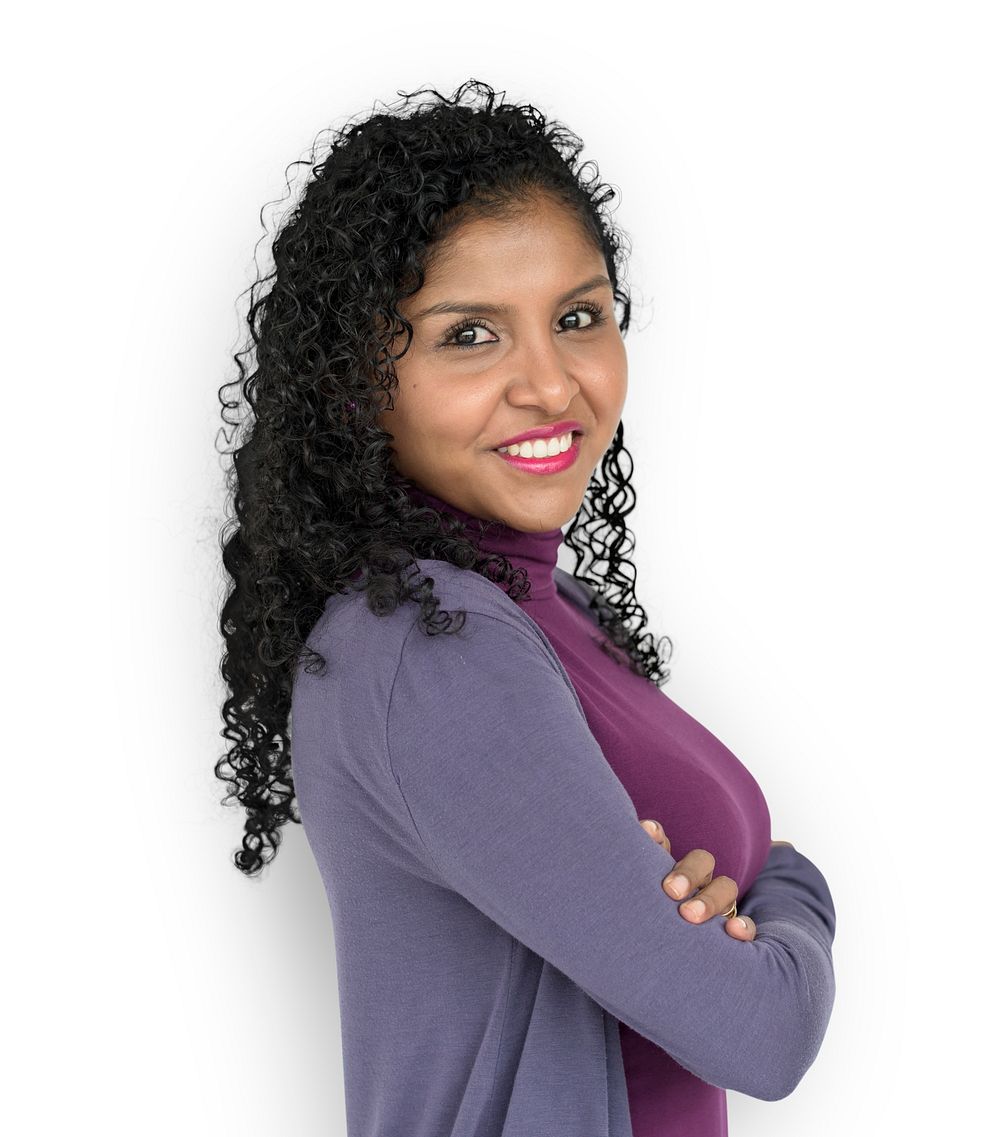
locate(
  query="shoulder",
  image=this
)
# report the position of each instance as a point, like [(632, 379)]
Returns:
[(491, 618), (395, 665), (498, 658), (374, 665), (347, 620)]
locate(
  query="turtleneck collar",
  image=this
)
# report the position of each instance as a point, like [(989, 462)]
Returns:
[(536, 553)]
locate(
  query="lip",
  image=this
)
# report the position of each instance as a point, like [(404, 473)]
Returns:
[(553, 465), (543, 432)]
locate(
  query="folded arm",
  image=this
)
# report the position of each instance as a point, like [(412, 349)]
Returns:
[(518, 811)]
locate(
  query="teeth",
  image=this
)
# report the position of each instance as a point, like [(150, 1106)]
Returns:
[(539, 447)]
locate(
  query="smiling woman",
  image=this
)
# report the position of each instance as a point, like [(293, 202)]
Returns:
[(438, 389), (536, 353)]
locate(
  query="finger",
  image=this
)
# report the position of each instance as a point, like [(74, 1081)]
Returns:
[(655, 831), (690, 872), (740, 931), (716, 897)]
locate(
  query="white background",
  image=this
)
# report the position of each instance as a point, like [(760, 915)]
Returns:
[(812, 193)]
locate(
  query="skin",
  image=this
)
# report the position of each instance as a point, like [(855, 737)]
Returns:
[(694, 871), (542, 361)]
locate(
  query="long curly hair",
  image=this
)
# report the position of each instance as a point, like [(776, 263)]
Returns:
[(317, 506)]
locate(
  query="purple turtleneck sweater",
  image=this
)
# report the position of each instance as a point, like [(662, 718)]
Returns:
[(508, 964)]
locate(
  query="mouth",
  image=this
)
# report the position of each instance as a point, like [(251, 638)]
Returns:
[(541, 448), (560, 455)]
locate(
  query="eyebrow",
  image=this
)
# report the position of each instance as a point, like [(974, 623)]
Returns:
[(505, 309)]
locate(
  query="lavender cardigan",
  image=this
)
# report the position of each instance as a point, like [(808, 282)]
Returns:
[(508, 963)]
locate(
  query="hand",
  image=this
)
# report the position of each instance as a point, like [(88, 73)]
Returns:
[(716, 895), (773, 843)]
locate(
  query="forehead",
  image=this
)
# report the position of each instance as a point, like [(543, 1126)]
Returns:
[(541, 242)]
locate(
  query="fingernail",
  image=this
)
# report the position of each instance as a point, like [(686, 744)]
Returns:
[(650, 827), (678, 885), (695, 908), (743, 922)]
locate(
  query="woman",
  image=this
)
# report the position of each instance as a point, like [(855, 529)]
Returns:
[(470, 732)]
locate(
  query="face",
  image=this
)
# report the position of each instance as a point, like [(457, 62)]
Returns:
[(551, 351)]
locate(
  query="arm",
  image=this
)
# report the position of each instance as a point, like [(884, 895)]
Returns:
[(518, 810), (789, 883)]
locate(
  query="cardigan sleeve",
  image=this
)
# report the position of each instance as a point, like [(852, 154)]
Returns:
[(517, 809), (790, 884)]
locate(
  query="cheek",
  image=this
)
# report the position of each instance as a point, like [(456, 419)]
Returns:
[(432, 428), (612, 380), (622, 389)]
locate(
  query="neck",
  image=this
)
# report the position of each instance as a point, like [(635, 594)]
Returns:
[(536, 553)]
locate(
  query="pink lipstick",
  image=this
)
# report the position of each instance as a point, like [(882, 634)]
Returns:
[(548, 465)]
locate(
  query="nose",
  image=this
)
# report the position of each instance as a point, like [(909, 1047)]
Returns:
[(541, 376)]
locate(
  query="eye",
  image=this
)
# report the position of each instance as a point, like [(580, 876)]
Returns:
[(587, 315), (467, 331), (593, 315)]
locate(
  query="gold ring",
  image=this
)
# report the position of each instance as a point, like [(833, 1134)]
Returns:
[(731, 913)]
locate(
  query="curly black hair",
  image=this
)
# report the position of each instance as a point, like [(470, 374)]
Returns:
[(317, 506)]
